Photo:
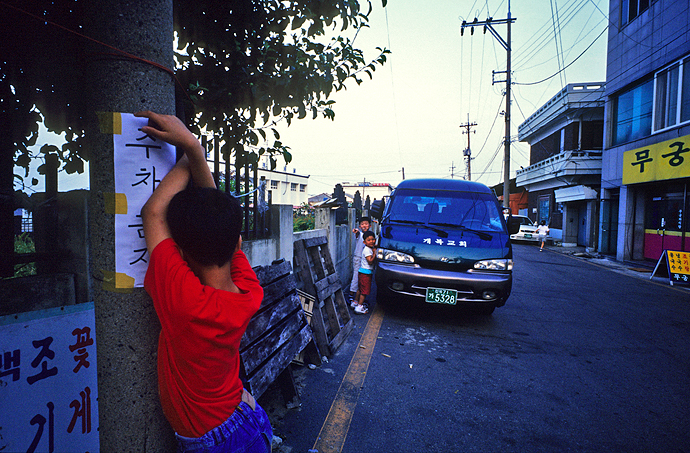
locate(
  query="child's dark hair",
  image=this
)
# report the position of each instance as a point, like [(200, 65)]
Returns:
[(365, 219), (205, 223), (367, 234)]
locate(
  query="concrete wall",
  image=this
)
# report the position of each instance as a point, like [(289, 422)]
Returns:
[(261, 252), (340, 240)]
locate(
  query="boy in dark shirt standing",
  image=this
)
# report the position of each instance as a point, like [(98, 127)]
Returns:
[(204, 292)]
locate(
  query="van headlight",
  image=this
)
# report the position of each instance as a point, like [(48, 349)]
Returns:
[(395, 256), (494, 265)]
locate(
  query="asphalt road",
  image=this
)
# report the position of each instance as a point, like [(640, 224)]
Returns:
[(581, 358)]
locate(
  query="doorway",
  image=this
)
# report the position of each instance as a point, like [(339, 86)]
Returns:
[(582, 224), (609, 224), (666, 225)]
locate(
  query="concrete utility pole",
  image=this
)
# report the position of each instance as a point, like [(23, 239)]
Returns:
[(468, 151), (488, 25), (130, 415)]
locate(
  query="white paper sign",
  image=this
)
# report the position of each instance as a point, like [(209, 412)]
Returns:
[(48, 381), (141, 162)]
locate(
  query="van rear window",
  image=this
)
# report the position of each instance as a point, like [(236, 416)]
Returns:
[(475, 211)]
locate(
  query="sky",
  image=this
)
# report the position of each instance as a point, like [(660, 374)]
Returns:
[(409, 116), (406, 120)]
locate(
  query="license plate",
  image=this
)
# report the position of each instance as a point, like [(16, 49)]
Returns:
[(528, 235), (441, 296)]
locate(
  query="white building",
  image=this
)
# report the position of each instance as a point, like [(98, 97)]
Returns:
[(286, 187), (564, 177)]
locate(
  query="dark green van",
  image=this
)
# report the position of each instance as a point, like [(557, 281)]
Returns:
[(444, 242)]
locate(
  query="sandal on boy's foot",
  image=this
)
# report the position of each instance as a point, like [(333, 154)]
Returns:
[(353, 304), (361, 309)]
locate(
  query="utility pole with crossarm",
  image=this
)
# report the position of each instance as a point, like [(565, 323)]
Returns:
[(468, 152), (488, 25)]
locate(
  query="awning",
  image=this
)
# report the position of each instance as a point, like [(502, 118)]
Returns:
[(575, 193)]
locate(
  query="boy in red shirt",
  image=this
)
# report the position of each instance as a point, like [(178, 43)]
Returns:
[(204, 292)]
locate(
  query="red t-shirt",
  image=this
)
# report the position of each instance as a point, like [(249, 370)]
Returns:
[(198, 347)]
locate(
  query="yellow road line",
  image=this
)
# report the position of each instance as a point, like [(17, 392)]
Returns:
[(337, 424)]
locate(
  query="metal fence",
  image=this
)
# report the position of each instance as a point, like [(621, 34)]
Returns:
[(241, 180), (245, 185)]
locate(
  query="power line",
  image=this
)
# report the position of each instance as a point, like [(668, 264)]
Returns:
[(566, 67), (542, 37)]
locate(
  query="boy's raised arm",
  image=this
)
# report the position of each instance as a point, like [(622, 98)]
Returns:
[(193, 164), (172, 130)]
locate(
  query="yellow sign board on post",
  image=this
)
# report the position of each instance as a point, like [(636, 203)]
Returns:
[(657, 162), (677, 266)]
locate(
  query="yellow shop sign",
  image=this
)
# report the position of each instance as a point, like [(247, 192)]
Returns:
[(660, 161)]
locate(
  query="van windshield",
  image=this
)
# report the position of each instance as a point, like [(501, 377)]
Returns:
[(474, 211)]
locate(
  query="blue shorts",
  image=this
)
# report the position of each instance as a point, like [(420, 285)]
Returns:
[(245, 431)]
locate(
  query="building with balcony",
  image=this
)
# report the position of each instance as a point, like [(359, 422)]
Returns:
[(646, 159), (563, 179)]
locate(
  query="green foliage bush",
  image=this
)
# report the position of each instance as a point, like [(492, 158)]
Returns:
[(23, 243), (303, 218)]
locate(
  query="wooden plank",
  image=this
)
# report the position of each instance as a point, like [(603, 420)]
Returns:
[(277, 290), (315, 242), (264, 376), (342, 335), (331, 289), (308, 302), (316, 264), (320, 330), (319, 279), (301, 260), (341, 305), (327, 261), (265, 320), (268, 274), (262, 349), (333, 319)]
